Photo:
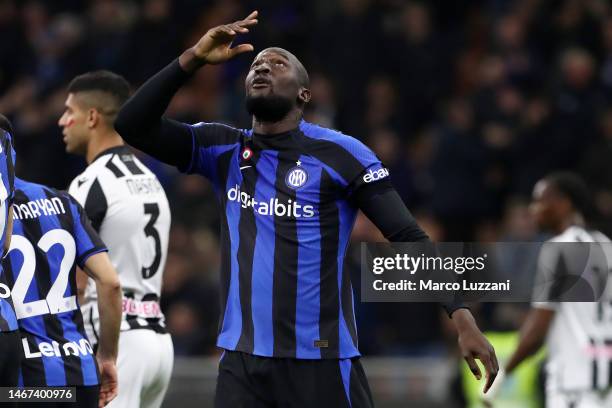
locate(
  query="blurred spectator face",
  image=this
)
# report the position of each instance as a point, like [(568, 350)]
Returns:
[(156, 10), (492, 71), (381, 97), (421, 149), (8, 11), (386, 145), (577, 67), (177, 272), (416, 22), (571, 13), (107, 15), (509, 100), (354, 8), (460, 114), (548, 207), (510, 32), (182, 319), (606, 29), (497, 136), (322, 90), (606, 125), (35, 18), (76, 123), (322, 107), (519, 223), (536, 112)]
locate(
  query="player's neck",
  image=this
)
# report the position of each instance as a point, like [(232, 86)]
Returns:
[(574, 220), (100, 142), (289, 122)]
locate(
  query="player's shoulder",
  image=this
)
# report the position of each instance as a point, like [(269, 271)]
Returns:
[(568, 235), (214, 133), (82, 183), (599, 236), (30, 191), (104, 170), (577, 233), (97, 168), (333, 139), (335, 136)]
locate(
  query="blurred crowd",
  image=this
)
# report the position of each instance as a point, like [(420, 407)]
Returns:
[(468, 102)]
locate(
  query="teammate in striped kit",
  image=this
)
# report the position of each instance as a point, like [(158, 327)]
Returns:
[(289, 192), (128, 207), (51, 236), (578, 335), (9, 335)]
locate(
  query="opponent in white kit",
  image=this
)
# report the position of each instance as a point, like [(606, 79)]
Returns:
[(128, 207), (577, 332)]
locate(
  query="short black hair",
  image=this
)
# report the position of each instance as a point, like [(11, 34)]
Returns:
[(114, 88), (572, 187), (102, 81), (5, 124)]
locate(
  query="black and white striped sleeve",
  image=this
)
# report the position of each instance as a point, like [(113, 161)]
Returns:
[(96, 204)]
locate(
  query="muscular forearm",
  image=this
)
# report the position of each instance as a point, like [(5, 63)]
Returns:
[(532, 337), (99, 267), (109, 306)]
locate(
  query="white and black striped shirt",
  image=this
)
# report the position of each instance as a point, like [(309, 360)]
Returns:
[(128, 207), (580, 338)]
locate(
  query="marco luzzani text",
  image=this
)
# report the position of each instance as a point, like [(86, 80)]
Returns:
[(430, 264)]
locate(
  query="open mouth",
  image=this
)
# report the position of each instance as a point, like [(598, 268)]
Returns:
[(259, 83)]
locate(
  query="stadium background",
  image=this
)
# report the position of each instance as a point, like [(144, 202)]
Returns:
[(468, 102)]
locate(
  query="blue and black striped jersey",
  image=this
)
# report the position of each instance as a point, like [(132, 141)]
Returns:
[(8, 321), (51, 236), (286, 222)]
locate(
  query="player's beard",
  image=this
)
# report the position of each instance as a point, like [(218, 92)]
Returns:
[(270, 108)]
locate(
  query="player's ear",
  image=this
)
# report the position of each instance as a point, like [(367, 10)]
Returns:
[(93, 117), (304, 95)]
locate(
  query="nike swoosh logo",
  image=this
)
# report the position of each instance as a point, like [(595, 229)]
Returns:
[(81, 182), (245, 167)]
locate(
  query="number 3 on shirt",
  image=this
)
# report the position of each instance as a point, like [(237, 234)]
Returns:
[(152, 209)]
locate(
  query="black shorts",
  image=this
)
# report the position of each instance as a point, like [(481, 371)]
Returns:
[(247, 381), (10, 355)]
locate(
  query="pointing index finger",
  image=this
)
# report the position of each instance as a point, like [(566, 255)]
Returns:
[(253, 15), (250, 20)]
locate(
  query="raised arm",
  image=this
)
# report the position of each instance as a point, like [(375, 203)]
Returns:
[(140, 120)]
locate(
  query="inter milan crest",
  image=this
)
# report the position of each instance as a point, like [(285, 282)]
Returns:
[(296, 177)]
